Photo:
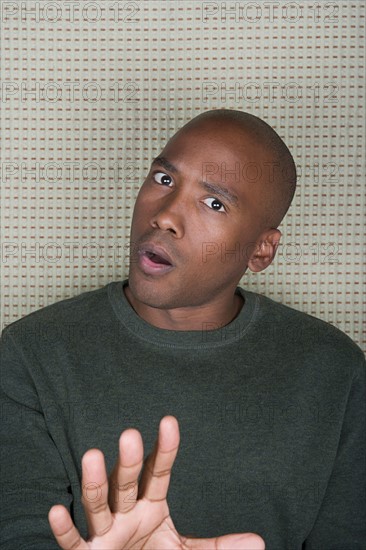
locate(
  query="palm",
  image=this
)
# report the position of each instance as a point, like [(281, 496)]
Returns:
[(148, 525), (124, 513)]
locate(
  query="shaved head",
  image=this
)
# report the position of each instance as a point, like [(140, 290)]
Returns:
[(211, 202), (274, 160)]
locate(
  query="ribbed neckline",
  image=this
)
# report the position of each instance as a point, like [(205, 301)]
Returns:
[(198, 339)]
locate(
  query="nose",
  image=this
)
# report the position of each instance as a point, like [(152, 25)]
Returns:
[(169, 216)]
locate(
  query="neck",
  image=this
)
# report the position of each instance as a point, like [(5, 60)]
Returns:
[(205, 317)]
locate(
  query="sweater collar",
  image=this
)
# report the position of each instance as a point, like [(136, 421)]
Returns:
[(210, 336)]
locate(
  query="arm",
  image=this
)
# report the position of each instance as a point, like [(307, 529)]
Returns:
[(341, 522), (32, 472)]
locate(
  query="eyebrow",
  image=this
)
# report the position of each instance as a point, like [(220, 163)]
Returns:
[(222, 191), (164, 162), (216, 188)]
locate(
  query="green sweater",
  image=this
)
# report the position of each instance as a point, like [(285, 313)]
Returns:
[(271, 410)]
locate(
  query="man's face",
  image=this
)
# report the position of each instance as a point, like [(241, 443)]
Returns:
[(208, 236)]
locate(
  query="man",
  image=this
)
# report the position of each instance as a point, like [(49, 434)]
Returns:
[(266, 404)]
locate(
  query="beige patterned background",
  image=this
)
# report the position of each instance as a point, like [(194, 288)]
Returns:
[(90, 91)]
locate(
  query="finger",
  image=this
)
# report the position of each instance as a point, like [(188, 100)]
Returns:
[(244, 541), (64, 530), (155, 477), (123, 482), (95, 493)]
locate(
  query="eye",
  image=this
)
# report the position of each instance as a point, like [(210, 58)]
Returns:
[(215, 204), (162, 178)]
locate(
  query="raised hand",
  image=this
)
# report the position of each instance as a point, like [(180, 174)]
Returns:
[(123, 514)]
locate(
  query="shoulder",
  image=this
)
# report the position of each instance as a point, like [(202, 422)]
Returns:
[(58, 318), (306, 336)]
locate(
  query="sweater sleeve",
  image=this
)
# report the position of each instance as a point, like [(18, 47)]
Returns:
[(341, 522), (33, 477)]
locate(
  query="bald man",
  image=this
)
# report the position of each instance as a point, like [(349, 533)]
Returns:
[(260, 408)]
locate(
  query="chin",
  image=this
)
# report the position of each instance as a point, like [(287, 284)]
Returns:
[(150, 293)]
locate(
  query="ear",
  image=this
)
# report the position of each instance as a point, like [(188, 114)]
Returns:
[(265, 250)]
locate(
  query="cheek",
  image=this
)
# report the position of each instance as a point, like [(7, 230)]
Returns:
[(219, 233), (227, 249), (142, 210)]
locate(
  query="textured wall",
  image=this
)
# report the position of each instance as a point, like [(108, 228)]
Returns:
[(92, 90)]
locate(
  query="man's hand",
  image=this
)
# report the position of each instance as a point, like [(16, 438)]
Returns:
[(136, 515)]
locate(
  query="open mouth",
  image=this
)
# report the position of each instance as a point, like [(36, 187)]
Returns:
[(156, 259), (153, 264)]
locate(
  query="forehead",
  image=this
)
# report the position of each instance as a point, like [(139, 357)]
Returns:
[(221, 151)]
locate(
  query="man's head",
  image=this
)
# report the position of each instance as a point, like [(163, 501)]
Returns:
[(212, 201)]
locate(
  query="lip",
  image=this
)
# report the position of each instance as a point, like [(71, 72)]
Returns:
[(147, 265)]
